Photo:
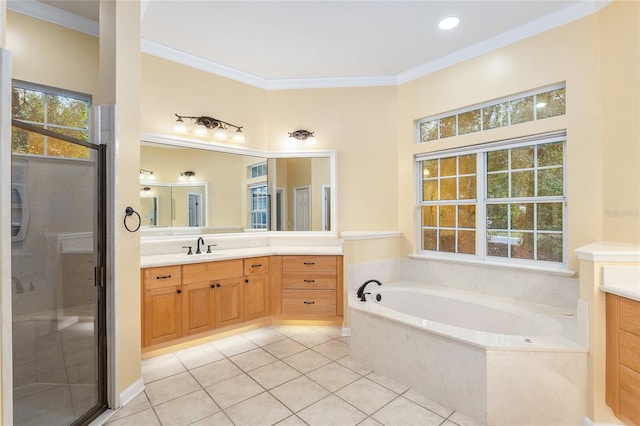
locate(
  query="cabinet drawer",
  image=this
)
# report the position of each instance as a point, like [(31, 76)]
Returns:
[(309, 303), (256, 265), (163, 276), (630, 350), (208, 271), (630, 315), (309, 281), (309, 264)]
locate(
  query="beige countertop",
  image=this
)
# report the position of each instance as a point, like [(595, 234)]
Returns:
[(238, 253)]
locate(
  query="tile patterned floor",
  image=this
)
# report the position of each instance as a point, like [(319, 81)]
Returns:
[(284, 375)]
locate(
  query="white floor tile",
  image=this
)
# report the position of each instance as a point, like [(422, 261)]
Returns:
[(137, 404), (427, 403), (299, 393), (285, 348), (366, 395), (312, 338), (215, 372), (234, 345), (164, 390), (307, 361), (272, 375), (291, 421), (199, 356), (463, 420), (401, 411), (262, 409), (334, 376), (388, 383), (186, 409), (333, 349), (251, 360), (218, 419), (331, 411), (146, 417), (234, 390), (160, 367), (264, 336)]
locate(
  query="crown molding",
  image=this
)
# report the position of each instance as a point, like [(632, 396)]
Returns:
[(55, 16), (545, 23), (175, 55), (89, 26)]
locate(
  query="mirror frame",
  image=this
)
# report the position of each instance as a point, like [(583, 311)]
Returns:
[(230, 149)]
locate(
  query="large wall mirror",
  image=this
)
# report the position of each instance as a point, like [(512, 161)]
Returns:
[(189, 186)]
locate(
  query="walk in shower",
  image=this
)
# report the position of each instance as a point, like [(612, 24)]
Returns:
[(57, 261)]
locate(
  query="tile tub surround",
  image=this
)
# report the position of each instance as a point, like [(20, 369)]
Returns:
[(528, 286), (492, 386), (285, 375)]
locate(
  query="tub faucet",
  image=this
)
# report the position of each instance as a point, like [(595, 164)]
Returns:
[(361, 294), (200, 240)]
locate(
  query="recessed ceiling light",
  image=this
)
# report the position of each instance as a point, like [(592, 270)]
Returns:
[(448, 23)]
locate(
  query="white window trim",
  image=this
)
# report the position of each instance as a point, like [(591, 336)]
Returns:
[(481, 224), (252, 211)]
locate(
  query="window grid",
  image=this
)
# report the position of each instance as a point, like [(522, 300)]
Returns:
[(536, 227), (258, 202), (435, 121), (48, 149)]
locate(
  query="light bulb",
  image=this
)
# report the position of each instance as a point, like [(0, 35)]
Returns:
[(152, 176), (238, 137), (221, 134), (448, 23), (181, 177), (141, 175), (200, 131), (180, 126)]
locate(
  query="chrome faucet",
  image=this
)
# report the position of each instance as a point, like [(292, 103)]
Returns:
[(200, 240), (361, 294)]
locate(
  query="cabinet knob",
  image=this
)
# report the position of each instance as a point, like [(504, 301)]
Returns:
[(309, 302), (178, 291), (212, 285), (259, 265), (217, 284), (163, 277), (246, 280), (309, 263), (309, 281)]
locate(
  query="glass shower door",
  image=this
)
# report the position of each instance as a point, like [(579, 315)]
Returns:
[(57, 260)]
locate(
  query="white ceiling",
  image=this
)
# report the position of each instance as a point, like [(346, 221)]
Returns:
[(287, 44)]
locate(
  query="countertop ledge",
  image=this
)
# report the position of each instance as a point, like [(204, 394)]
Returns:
[(240, 253)]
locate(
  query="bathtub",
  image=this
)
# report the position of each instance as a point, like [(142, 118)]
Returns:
[(497, 361)]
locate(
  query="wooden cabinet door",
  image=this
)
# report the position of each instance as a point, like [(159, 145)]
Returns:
[(162, 315), (256, 296), (198, 308), (229, 301)]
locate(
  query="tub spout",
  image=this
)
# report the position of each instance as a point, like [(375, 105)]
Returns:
[(361, 293)]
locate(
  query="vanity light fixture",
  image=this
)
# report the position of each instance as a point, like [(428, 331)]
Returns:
[(188, 175), (203, 124), (302, 135), (145, 191), (147, 175)]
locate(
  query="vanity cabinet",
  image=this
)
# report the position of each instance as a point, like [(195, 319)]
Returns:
[(212, 295), (311, 287), (256, 288), (162, 304), (623, 358)]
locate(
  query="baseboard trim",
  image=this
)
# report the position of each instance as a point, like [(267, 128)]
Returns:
[(346, 331), (127, 395), (589, 422)]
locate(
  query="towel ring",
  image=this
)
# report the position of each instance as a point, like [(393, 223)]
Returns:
[(129, 211)]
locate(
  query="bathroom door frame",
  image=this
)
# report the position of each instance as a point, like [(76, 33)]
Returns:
[(101, 249)]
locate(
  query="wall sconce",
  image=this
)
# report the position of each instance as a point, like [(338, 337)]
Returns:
[(302, 135), (146, 191), (147, 175), (203, 124), (188, 175)]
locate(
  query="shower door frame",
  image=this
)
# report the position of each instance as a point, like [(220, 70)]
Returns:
[(100, 245)]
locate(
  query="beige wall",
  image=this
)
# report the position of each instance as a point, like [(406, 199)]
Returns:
[(620, 65), (568, 53), (52, 55)]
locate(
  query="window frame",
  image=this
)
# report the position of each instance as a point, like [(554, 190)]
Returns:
[(252, 211), (482, 200), (54, 91)]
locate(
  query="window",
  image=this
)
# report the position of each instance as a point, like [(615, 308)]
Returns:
[(536, 105), (502, 201), (258, 202), (53, 109), (258, 170)]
